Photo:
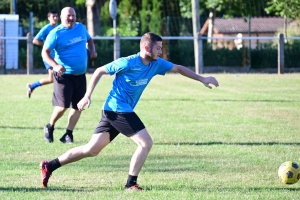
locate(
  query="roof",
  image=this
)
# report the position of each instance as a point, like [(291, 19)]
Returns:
[(240, 25)]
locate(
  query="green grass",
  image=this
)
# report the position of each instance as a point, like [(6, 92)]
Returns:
[(224, 143)]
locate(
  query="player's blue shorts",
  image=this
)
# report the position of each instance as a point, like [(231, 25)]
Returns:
[(47, 66)]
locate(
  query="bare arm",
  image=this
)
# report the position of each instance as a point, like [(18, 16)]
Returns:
[(91, 47), (192, 75), (86, 100), (37, 42), (47, 57)]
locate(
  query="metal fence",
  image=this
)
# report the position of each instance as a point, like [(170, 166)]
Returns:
[(222, 53)]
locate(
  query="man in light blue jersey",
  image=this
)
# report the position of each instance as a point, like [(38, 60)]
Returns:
[(39, 40), (132, 75), (68, 41)]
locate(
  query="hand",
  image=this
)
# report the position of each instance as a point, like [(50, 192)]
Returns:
[(83, 102), (93, 54), (60, 69), (210, 80)]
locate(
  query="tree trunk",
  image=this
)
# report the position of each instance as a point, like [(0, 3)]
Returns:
[(93, 8)]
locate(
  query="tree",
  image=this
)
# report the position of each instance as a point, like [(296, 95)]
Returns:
[(155, 21), (93, 9), (129, 22), (284, 8), (231, 8), (145, 15), (40, 9)]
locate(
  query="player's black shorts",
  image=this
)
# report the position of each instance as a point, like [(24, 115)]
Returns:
[(113, 122), (68, 90)]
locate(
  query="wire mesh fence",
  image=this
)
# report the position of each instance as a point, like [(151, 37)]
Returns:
[(219, 53)]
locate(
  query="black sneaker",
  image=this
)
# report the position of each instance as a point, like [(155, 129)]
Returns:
[(48, 130), (68, 139)]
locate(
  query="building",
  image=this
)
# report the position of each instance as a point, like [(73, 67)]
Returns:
[(239, 28)]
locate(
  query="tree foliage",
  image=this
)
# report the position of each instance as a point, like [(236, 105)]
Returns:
[(284, 8), (233, 8), (40, 9), (129, 21), (165, 17)]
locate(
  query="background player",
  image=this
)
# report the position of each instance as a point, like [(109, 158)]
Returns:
[(39, 40)]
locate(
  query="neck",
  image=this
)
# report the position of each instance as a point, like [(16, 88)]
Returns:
[(145, 59)]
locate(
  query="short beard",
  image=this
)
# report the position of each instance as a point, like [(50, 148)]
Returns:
[(150, 57)]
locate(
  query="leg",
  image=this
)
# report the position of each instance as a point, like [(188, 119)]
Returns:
[(73, 118), (49, 79), (72, 121), (144, 142), (93, 148), (57, 113), (44, 81)]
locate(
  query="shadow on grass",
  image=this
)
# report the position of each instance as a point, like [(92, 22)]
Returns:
[(33, 128), (216, 189), (150, 188), (252, 100), (223, 100), (228, 143), (25, 189)]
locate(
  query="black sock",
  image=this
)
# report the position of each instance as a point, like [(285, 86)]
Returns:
[(50, 126), (131, 180), (54, 164), (69, 132)]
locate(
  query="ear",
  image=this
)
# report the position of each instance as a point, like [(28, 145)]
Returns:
[(147, 48)]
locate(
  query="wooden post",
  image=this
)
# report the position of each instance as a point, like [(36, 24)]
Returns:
[(280, 54), (197, 37), (29, 54)]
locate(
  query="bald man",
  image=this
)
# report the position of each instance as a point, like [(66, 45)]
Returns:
[(69, 41)]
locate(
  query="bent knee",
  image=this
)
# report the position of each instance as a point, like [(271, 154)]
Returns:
[(150, 143), (147, 144), (91, 152)]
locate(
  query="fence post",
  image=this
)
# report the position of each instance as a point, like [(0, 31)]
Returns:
[(116, 46), (29, 54), (280, 54), (197, 37), (198, 46)]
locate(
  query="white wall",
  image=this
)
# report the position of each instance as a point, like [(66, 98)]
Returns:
[(9, 48)]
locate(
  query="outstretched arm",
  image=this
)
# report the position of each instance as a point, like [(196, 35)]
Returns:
[(190, 74), (86, 100)]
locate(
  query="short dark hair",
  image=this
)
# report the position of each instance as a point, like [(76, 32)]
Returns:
[(150, 39), (52, 12)]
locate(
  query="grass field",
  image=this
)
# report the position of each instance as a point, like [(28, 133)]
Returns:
[(224, 143)]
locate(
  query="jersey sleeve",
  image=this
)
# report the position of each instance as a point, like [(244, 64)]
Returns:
[(42, 34), (164, 66), (116, 66), (51, 40)]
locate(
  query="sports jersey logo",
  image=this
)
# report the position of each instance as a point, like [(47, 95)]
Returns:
[(75, 40), (136, 68), (139, 82)]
